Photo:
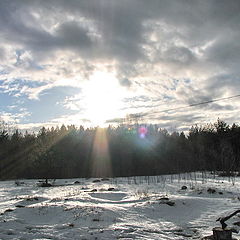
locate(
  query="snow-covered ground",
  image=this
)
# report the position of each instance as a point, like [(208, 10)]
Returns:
[(119, 208)]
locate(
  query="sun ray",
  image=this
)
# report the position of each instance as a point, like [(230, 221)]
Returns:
[(100, 159)]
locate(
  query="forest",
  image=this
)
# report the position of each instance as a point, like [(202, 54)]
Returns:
[(125, 150)]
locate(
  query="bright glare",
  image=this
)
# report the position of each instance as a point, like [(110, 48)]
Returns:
[(103, 98)]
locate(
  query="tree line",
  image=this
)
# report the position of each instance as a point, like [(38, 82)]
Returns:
[(126, 150)]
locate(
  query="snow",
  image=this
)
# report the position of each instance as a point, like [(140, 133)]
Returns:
[(119, 208)]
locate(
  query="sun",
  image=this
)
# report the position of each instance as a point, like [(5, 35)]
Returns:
[(102, 98)]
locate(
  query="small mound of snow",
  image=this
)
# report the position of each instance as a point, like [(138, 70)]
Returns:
[(111, 196)]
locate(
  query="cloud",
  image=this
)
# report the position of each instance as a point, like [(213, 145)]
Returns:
[(125, 82), (173, 53), (2, 54), (71, 34), (129, 119), (14, 118)]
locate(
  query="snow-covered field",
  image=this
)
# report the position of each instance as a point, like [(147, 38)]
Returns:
[(119, 208)]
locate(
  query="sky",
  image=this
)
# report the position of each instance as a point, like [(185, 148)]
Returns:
[(98, 62)]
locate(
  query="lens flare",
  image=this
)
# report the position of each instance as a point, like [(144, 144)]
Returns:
[(142, 131)]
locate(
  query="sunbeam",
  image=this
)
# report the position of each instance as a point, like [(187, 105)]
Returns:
[(100, 159)]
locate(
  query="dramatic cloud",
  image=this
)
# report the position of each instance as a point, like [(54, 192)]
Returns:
[(161, 54)]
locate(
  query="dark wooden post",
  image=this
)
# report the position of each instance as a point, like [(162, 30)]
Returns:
[(222, 234)]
